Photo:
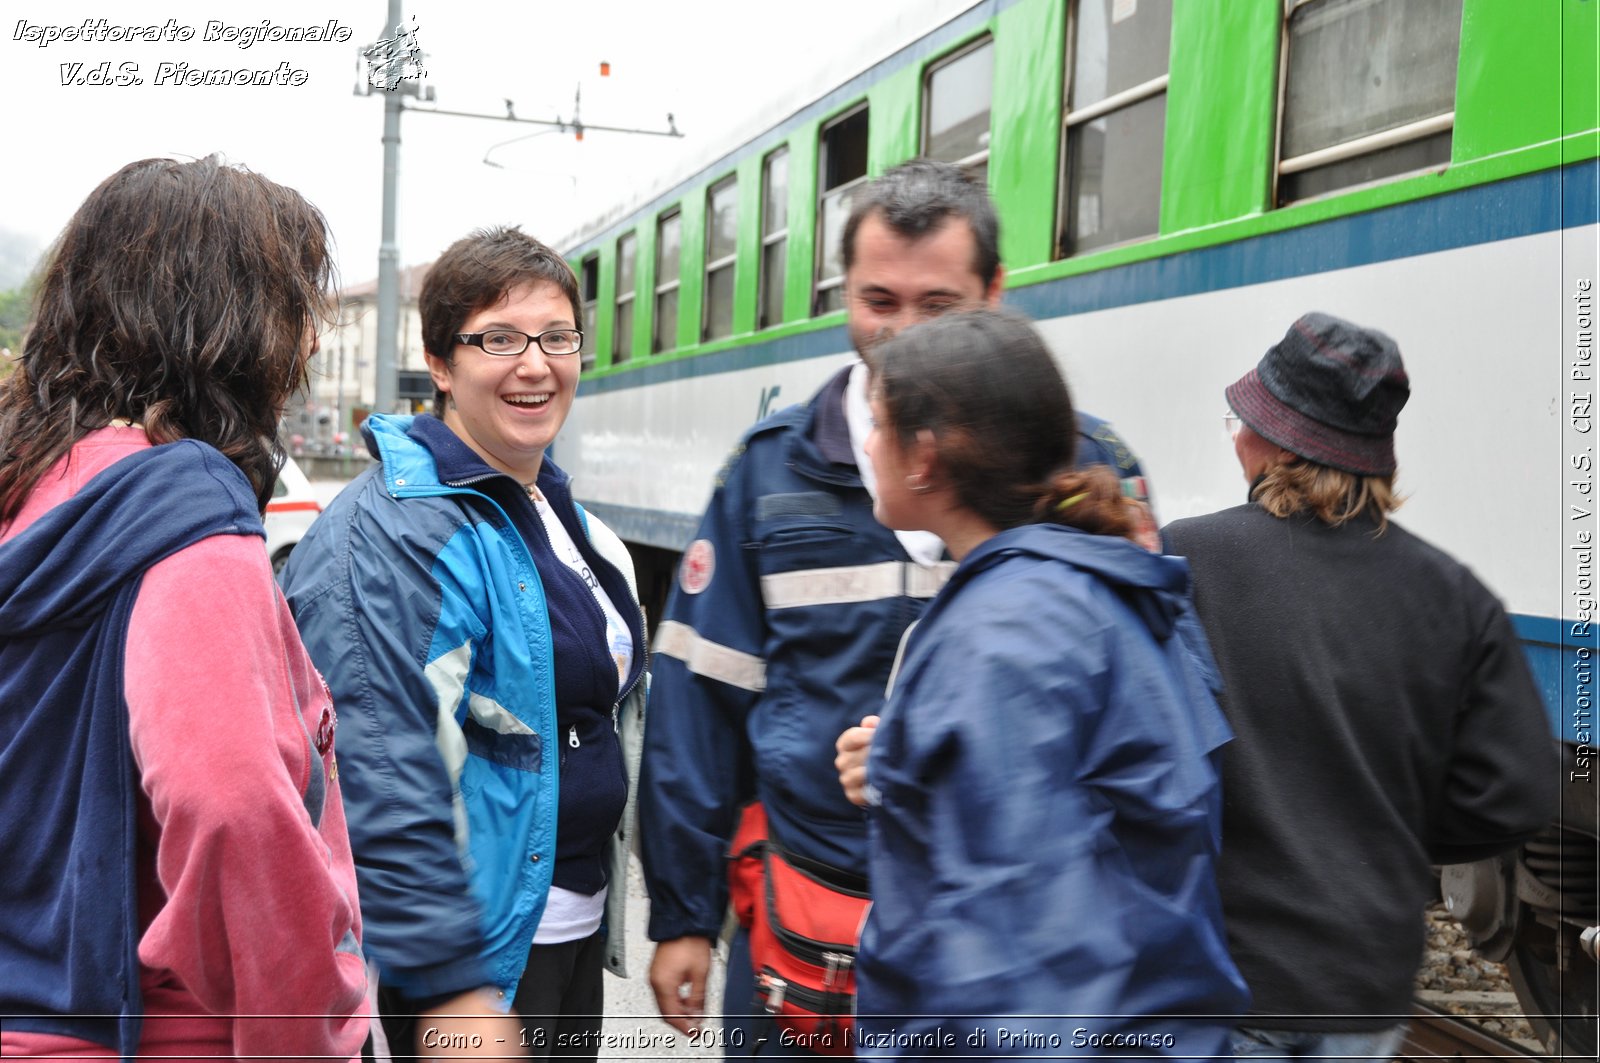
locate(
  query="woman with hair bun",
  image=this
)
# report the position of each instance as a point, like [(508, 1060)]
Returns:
[(1045, 806), (178, 879)]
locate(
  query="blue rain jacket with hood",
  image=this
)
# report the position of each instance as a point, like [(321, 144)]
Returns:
[(422, 606), (1047, 812)]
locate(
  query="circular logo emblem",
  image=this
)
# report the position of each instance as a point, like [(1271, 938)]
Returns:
[(699, 563)]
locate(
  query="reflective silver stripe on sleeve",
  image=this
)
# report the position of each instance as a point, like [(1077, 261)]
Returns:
[(854, 583), (447, 674), (704, 657)]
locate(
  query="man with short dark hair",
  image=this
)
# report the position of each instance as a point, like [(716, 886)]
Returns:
[(792, 600), (1383, 714)]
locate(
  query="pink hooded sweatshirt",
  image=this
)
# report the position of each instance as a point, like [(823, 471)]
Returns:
[(247, 912)]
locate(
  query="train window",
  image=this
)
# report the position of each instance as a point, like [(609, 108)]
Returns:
[(1116, 117), (841, 169), (589, 285), (722, 246), (627, 267), (774, 234), (1369, 92), (669, 247), (955, 108)]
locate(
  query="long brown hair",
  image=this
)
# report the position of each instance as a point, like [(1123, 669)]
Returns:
[(178, 296), (984, 385)]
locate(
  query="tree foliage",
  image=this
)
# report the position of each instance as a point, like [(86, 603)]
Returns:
[(14, 307)]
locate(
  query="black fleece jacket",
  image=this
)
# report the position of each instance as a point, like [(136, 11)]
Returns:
[(1386, 719)]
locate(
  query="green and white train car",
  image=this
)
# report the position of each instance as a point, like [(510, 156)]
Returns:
[(1177, 180)]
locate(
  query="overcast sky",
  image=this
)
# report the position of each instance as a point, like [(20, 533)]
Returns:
[(717, 65)]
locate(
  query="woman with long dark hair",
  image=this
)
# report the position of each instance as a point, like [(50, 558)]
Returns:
[(178, 879), (1045, 803)]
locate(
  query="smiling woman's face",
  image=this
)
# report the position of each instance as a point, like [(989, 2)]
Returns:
[(509, 409)]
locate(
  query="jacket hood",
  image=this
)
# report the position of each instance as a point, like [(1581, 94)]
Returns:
[(1156, 586), (65, 568)]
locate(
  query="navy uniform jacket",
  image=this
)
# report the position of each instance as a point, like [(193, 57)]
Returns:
[(789, 607)]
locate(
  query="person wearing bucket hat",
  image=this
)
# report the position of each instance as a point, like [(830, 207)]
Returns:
[(1385, 717), (1330, 392)]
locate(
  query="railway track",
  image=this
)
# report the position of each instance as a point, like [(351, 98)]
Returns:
[(1437, 1034)]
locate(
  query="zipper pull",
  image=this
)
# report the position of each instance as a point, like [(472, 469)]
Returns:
[(838, 964), (572, 736), (775, 990)]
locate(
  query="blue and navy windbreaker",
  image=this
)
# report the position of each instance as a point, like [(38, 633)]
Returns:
[(423, 609), (1048, 815), (780, 633), (68, 911)]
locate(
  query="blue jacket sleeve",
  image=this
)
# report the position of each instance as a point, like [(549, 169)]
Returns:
[(374, 608), (708, 671)]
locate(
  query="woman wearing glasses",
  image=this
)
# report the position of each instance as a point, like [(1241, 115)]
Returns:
[(482, 639)]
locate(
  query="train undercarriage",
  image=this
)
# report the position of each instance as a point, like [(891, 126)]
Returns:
[(1535, 910)]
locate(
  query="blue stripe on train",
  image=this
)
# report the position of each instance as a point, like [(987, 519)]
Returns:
[(1555, 654), (1563, 655), (1519, 206)]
